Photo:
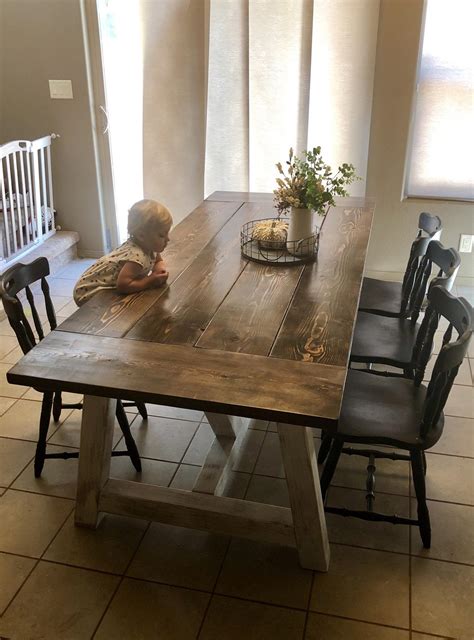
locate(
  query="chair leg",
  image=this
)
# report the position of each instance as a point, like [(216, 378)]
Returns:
[(326, 441), (416, 458), (129, 441), (423, 456), (331, 464), (57, 406), (141, 406), (43, 432)]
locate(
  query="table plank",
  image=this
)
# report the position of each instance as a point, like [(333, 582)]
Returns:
[(249, 318), (320, 322), (175, 375), (184, 311), (109, 313)]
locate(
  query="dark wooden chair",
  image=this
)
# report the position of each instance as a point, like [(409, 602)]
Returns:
[(392, 341), (13, 282), (400, 413), (392, 298)]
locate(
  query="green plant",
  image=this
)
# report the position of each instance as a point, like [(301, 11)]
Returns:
[(310, 183)]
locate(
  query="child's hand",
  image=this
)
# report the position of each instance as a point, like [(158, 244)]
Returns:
[(158, 279), (159, 267)]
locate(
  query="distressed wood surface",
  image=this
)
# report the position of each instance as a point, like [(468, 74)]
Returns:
[(223, 312), (177, 375), (112, 314)]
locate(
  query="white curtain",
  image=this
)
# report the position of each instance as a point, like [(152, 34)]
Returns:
[(230, 85), (287, 73)]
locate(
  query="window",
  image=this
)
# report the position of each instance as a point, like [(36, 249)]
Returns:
[(441, 158)]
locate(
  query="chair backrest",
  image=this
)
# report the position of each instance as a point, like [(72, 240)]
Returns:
[(12, 283), (430, 225), (447, 261), (430, 228), (459, 314)]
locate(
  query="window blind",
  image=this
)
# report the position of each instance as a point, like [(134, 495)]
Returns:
[(441, 159)]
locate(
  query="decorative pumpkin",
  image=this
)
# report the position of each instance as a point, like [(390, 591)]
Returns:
[(270, 234)]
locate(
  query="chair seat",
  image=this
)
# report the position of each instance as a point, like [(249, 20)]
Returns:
[(379, 296), (386, 411), (383, 340)]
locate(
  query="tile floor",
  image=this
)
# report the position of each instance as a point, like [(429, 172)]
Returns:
[(133, 579)]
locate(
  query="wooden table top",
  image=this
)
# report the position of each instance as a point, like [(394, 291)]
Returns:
[(226, 334)]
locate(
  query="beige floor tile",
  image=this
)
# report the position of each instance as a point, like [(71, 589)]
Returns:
[(14, 456), (457, 438), (471, 366), (442, 597), (200, 445), (109, 548), (30, 521), (6, 329), (178, 556), (176, 413), (452, 533), (449, 478), (268, 490), (367, 585), (12, 358), (373, 535), (460, 402), (463, 377), (185, 477), (32, 394), (264, 572), (142, 610), (233, 620), (73, 270), (164, 438), (153, 471), (22, 421), (321, 627), (5, 404), (69, 433), (392, 475), (6, 389), (60, 287), (7, 344), (66, 311), (270, 462), (13, 572), (58, 602), (58, 478)]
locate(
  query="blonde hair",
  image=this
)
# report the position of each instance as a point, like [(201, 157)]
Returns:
[(147, 215)]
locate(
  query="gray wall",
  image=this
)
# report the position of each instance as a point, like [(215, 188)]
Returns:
[(395, 74), (42, 40)]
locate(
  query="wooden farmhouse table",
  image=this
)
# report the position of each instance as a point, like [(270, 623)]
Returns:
[(236, 339)]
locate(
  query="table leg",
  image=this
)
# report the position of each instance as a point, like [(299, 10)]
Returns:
[(97, 430), (299, 460)]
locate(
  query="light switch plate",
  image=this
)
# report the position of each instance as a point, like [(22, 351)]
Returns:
[(465, 243), (60, 89)]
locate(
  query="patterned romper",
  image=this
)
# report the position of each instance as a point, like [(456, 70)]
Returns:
[(104, 273)]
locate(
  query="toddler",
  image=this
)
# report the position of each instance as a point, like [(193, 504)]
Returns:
[(137, 264)]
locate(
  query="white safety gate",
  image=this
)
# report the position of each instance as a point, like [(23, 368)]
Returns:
[(26, 197)]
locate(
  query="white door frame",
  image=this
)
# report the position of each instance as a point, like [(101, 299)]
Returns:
[(98, 113)]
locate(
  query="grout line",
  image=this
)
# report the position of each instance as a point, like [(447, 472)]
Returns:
[(308, 610), (121, 579)]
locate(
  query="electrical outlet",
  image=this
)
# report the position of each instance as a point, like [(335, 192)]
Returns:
[(465, 243), (60, 89)]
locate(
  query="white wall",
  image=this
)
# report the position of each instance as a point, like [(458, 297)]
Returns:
[(41, 40), (395, 75)]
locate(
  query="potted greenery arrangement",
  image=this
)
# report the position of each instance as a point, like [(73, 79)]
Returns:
[(308, 186)]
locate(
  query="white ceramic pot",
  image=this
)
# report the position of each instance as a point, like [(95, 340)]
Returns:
[(299, 229)]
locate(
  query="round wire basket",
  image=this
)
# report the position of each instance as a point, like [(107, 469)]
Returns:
[(277, 251)]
